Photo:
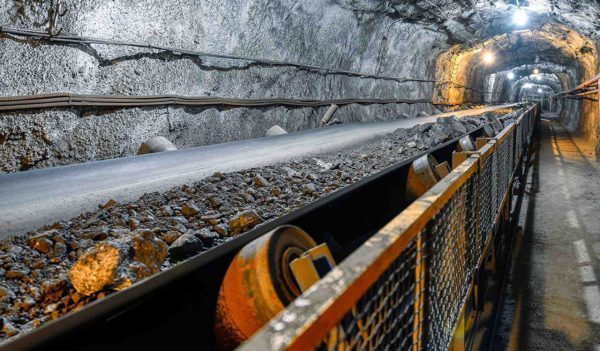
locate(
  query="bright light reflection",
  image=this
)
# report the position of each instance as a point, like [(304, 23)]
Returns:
[(511, 75), (520, 17), (488, 57)]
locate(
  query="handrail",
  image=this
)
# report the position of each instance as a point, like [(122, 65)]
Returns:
[(308, 320), (339, 290)]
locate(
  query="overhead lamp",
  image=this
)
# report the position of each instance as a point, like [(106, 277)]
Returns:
[(488, 57), (511, 75), (519, 17), (536, 71), (540, 90)]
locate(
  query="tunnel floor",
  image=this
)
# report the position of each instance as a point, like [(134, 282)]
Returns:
[(553, 297)]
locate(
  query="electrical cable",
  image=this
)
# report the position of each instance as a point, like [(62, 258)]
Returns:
[(76, 39), (73, 100)]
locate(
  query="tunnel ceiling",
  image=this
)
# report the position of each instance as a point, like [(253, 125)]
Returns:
[(560, 33), (462, 20)]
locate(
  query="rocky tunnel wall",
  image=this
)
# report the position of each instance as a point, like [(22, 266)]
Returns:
[(366, 38)]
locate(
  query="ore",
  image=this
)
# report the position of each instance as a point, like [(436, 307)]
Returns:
[(323, 164), (260, 181), (186, 245), (116, 264), (170, 236), (208, 237), (222, 230), (14, 274), (41, 243), (110, 203), (244, 221), (149, 251), (8, 329), (189, 210), (99, 268), (291, 172), (94, 234)]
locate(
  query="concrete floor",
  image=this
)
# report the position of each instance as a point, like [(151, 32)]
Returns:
[(553, 296)]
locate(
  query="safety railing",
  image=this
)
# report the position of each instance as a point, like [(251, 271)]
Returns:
[(406, 288)]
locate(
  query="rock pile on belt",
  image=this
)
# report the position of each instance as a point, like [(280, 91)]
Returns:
[(61, 267)]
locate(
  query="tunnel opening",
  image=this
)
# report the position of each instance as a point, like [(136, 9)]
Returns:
[(542, 62)]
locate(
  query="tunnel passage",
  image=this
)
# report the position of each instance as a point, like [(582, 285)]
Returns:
[(544, 60), (111, 75)]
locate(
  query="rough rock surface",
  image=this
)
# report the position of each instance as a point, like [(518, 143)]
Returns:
[(340, 34), (61, 267), (186, 245)]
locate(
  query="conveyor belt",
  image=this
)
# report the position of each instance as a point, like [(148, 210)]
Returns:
[(34, 198), (176, 307)]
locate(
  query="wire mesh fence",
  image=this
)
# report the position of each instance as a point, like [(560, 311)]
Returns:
[(387, 315), (416, 302), (486, 200), (451, 258)]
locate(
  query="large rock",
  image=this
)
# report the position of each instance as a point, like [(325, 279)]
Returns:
[(116, 264), (156, 144), (185, 246), (244, 221), (457, 127)]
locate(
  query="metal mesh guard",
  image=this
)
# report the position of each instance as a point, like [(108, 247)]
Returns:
[(390, 316), (415, 303), (386, 317)]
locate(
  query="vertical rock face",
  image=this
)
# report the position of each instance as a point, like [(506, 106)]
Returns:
[(391, 38), (116, 264), (357, 36)]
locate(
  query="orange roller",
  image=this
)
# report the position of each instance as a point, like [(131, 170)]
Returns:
[(258, 284)]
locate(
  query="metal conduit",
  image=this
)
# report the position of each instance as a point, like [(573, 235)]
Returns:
[(76, 100)]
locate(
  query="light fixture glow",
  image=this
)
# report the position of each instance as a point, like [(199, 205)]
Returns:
[(540, 91), (488, 57), (511, 75), (520, 17), (536, 71)]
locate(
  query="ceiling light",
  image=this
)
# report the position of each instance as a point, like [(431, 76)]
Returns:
[(519, 17), (540, 91), (511, 75), (536, 71), (488, 57)]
